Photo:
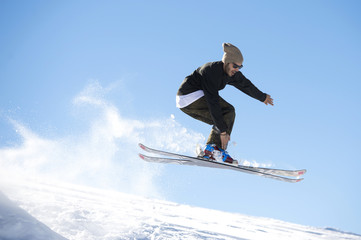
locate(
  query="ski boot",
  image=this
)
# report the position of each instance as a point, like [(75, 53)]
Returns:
[(214, 153)]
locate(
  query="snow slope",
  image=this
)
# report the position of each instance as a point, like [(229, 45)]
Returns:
[(15, 223), (83, 213)]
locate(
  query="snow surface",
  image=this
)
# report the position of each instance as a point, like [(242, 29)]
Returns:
[(78, 212), (15, 223)]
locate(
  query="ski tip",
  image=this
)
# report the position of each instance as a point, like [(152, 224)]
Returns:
[(141, 156), (299, 180), (141, 146), (301, 172)]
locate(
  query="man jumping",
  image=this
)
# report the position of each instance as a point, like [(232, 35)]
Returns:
[(198, 96)]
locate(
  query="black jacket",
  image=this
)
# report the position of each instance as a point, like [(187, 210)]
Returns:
[(211, 78)]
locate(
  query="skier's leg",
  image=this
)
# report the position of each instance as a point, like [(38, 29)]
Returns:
[(229, 115), (200, 111)]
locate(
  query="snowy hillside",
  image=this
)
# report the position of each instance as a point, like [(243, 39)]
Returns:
[(83, 213), (15, 223)]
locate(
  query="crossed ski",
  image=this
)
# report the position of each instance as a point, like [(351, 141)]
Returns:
[(278, 174)]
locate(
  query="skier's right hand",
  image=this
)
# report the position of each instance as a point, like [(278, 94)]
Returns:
[(224, 140), (268, 100)]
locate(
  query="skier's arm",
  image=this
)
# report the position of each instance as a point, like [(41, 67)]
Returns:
[(246, 86), (210, 89), (215, 110)]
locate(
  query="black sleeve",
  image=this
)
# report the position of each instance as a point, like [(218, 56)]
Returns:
[(245, 85), (210, 88)]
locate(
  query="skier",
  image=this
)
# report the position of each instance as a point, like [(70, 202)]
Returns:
[(199, 98)]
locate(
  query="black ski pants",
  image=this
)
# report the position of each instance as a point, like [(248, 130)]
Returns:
[(200, 111)]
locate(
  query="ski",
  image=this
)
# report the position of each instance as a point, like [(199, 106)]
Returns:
[(212, 164), (187, 160), (283, 172)]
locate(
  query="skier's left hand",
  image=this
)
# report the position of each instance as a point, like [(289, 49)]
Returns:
[(224, 140), (268, 100)]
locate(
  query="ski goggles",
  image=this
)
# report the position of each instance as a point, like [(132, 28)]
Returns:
[(237, 66)]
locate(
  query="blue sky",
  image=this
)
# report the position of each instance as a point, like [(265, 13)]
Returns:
[(129, 58)]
